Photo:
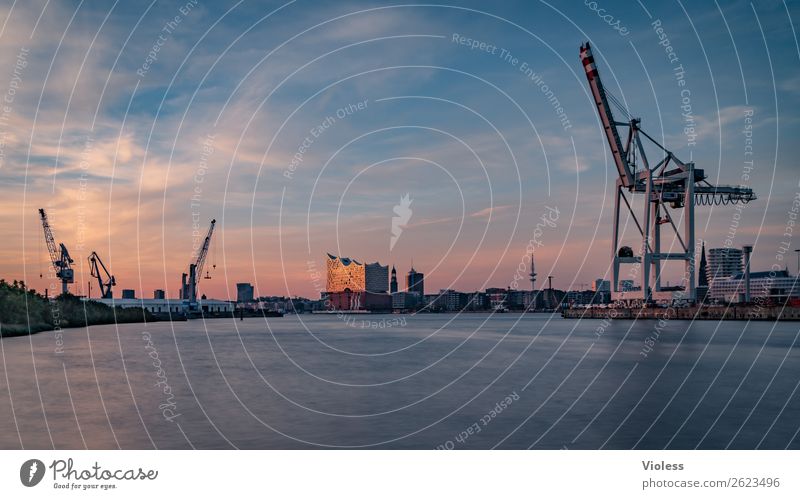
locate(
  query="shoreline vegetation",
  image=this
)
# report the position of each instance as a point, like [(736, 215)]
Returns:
[(24, 311)]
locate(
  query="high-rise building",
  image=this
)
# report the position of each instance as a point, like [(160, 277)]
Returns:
[(723, 262), (376, 278), (415, 282), (393, 284), (244, 292)]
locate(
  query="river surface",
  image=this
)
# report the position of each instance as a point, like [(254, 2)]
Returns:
[(470, 381)]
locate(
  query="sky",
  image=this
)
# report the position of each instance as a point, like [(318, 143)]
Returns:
[(300, 126)]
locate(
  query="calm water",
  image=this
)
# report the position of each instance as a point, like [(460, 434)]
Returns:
[(466, 381)]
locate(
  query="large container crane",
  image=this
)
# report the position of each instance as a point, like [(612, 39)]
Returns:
[(104, 278), (189, 282), (682, 186), (59, 256)]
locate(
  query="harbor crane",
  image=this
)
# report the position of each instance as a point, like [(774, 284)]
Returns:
[(105, 280), (670, 183), (189, 282), (59, 256)]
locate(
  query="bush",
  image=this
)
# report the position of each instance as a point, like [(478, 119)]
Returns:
[(24, 311)]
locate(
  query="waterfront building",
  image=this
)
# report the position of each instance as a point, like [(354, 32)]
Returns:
[(404, 300), (348, 274), (244, 292), (167, 306), (344, 274), (477, 301), (602, 286), (451, 300), (776, 285), (496, 298)]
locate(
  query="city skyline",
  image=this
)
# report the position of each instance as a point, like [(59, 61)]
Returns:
[(129, 154)]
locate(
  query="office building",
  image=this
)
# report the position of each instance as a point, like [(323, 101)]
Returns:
[(393, 283), (723, 262), (415, 282), (376, 278), (244, 292)]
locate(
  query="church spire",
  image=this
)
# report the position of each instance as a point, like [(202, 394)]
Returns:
[(703, 273)]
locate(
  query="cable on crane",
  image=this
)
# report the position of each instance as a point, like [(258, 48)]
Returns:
[(619, 105), (711, 199)]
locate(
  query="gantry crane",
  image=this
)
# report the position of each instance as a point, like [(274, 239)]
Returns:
[(95, 267), (189, 287), (59, 256), (682, 186)]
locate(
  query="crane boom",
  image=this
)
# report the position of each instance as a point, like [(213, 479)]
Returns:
[(604, 110), (49, 239), (95, 267), (189, 287), (59, 256), (201, 256)]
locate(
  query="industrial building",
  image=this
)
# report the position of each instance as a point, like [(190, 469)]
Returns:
[(167, 306)]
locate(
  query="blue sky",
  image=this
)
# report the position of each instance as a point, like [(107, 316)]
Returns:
[(235, 89)]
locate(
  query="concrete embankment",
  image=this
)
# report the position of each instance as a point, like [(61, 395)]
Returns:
[(737, 312)]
